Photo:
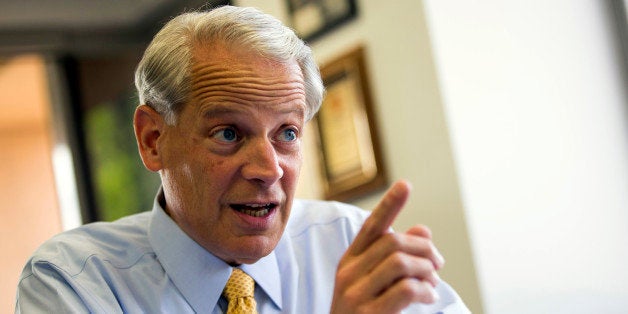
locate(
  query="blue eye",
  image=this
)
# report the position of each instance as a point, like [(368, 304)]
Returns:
[(227, 135), (288, 135)]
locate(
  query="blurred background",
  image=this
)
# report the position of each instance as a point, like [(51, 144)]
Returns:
[(509, 118)]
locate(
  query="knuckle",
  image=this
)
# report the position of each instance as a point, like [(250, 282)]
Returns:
[(410, 266), (353, 297), (343, 275), (424, 247), (408, 289), (425, 265), (400, 262)]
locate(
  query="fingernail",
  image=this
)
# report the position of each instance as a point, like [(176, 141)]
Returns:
[(437, 277), (402, 187), (408, 184), (440, 260)]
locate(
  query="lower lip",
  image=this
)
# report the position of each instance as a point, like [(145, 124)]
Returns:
[(257, 223)]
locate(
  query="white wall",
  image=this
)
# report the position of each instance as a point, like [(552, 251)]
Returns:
[(537, 112)]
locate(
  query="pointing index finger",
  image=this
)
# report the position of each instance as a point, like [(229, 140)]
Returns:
[(382, 217)]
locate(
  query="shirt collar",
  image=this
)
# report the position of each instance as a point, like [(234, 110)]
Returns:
[(198, 274), (267, 276)]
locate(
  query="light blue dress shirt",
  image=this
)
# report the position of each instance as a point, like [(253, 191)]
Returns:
[(146, 264)]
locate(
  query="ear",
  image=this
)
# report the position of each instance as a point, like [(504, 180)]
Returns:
[(149, 126)]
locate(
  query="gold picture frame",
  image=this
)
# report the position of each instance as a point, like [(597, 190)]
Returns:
[(348, 138)]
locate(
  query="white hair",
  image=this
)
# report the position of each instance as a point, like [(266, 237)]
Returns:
[(162, 77)]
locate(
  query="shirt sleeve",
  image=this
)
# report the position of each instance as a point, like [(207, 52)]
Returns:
[(43, 289), (449, 303)]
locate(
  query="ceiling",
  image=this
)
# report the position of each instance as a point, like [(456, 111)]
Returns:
[(85, 27)]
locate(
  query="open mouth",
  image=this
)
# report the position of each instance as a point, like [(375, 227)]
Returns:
[(254, 210)]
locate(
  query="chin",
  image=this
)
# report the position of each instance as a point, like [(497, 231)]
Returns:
[(248, 259), (252, 251)]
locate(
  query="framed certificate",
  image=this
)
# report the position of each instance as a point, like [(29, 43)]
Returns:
[(350, 150)]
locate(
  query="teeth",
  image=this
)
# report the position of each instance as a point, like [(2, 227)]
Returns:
[(257, 210), (255, 213), (257, 205)]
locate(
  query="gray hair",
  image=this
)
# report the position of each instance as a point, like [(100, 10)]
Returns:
[(162, 77)]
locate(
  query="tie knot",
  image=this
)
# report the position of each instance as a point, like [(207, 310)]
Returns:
[(240, 285)]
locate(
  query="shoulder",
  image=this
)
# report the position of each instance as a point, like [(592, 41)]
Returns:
[(118, 243), (310, 215)]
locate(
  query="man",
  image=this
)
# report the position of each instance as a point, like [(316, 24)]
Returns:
[(225, 96)]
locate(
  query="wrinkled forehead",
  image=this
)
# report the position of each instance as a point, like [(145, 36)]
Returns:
[(227, 75), (233, 54)]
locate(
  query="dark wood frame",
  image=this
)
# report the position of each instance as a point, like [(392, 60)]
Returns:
[(348, 110), (313, 18)]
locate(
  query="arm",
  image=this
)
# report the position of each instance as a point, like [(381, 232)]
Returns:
[(384, 272)]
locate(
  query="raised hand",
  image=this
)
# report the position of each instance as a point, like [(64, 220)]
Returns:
[(383, 271)]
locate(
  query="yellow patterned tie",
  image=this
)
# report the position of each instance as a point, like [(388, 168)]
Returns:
[(239, 293)]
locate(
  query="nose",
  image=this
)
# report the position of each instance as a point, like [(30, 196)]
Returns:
[(262, 163)]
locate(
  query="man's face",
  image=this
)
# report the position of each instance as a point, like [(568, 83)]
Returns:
[(230, 164)]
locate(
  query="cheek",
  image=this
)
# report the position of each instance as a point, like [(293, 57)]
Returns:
[(292, 167), (191, 169), (214, 173), (217, 166)]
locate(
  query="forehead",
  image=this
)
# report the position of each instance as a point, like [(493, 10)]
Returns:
[(228, 75), (234, 61)]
